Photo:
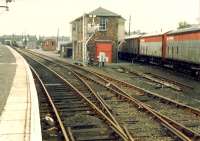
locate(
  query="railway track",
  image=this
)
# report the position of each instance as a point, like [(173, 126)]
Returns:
[(146, 135), (188, 95), (190, 134), (188, 116), (77, 114), (185, 120), (181, 85), (51, 128), (164, 82), (138, 123)]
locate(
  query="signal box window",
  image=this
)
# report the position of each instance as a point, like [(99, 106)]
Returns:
[(103, 24)]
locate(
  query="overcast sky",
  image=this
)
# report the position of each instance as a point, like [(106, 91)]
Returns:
[(44, 17)]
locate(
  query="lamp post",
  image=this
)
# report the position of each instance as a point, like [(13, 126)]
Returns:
[(83, 49), (92, 29)]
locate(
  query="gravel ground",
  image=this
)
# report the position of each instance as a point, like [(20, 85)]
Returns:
[(7, 72)]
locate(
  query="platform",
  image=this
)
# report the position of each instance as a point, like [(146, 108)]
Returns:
[(19, 110)]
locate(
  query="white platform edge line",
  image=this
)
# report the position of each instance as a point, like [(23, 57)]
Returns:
[(35, 131)]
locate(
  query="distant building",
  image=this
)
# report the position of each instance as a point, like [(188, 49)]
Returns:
[(109, 36), (62, 40), (49, 44), (66, 50)]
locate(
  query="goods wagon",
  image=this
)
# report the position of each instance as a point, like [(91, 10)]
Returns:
[(179, 49), (130, 48), (151, 47), (184, 45), (183, 50)]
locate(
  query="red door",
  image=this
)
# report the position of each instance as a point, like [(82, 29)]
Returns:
[(106, 48)]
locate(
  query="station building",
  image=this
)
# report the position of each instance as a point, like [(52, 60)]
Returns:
[(106, 39), (49, 44)]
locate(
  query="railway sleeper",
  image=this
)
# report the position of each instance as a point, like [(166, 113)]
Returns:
[(96, 130), (74, 110), (74, 105), (67, 99), (98, 138), (83, 113), (79, 126), (63, 95)]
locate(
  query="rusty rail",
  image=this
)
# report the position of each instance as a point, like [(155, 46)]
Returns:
[(66, 133), (159, 81), (176, 128), (139, 89), (109, 119), (170, 81)]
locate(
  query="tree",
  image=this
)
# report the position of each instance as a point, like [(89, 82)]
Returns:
[(7, 1), (183, 24)]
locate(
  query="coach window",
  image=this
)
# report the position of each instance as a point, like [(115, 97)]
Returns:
[(103, 24)]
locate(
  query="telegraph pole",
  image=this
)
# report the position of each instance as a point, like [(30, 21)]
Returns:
[(58, 48), (129, 26), (199, 14), (83, 42)]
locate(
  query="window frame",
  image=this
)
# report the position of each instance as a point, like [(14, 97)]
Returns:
[(74, 27)]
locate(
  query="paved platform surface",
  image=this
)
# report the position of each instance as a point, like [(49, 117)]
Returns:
[(7, 73), (19, 119)]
